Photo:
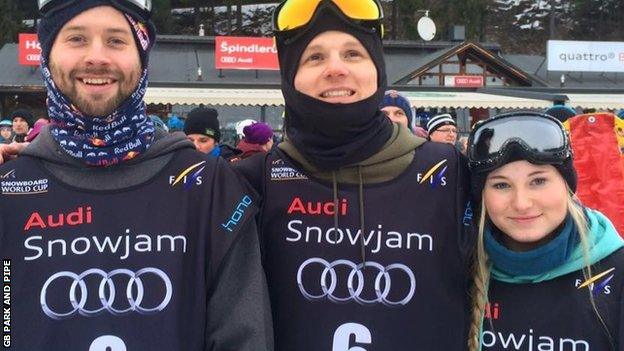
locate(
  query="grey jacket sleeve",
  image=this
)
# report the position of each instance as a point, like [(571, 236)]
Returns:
[(239, 316)]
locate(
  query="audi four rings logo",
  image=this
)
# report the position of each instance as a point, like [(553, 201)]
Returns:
[(107, 300), (355, 286)]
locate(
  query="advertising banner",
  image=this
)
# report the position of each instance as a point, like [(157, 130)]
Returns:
[(464, 81), (585, 56), (245, 53), (29, 50)]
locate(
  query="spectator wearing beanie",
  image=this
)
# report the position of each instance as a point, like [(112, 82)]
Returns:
[(397, 108), (561, 112), (6, 131), (175, 124), (22, 121), (257, 137), (240, 125), (36, 129), (202, 128), (442, 129), (158, 123)]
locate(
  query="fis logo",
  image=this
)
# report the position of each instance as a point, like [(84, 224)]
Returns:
[(436, 175), (189, 180), (468, 214), (8, 175), (602, 286)]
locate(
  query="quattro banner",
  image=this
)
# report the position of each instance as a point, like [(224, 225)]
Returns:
[(585, 56)]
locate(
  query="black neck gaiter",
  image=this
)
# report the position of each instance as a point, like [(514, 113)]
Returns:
[(331, 136)]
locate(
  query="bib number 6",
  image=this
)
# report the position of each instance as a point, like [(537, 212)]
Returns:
[(108, 343), (342, 335)]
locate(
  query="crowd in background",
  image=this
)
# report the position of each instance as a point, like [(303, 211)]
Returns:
[(202, 127)]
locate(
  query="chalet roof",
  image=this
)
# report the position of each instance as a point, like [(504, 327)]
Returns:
[(468, 48)]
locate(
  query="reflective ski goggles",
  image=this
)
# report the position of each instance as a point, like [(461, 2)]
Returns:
[(143, 7), (291, 15), (536, 137)]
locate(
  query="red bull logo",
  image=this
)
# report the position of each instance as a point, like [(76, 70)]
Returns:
[(97, 142)]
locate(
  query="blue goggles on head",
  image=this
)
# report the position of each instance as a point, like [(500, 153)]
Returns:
[(142, 7), (536, 137)]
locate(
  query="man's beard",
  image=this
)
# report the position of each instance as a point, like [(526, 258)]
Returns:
[(95, 105)]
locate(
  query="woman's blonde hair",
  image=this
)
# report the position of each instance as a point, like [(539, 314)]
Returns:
[(481, 271)]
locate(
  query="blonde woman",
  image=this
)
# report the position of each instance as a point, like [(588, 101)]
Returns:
[(548, 271)]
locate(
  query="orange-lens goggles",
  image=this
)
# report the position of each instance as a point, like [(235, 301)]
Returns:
[(292, 14)]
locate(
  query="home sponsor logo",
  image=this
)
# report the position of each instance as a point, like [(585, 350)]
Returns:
[(11, 186), (279, 172), (189, 180), (298, 230), (356, 282), (82, 215), (78, 292), (318, 208), (597, 284), (39, 226), (238, 214), (435, 176), (492, 310)]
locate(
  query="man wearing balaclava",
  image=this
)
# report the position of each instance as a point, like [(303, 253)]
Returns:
[(363, 224), (116, 235)]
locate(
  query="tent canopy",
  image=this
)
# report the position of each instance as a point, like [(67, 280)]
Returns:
[(273, 97)]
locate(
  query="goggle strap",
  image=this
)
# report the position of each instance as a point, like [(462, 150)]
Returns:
[(143, 5)]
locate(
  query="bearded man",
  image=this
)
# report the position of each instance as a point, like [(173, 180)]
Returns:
[(116, 235)]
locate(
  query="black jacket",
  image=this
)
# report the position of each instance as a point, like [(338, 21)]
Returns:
[(409, 289), (175, 243)]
